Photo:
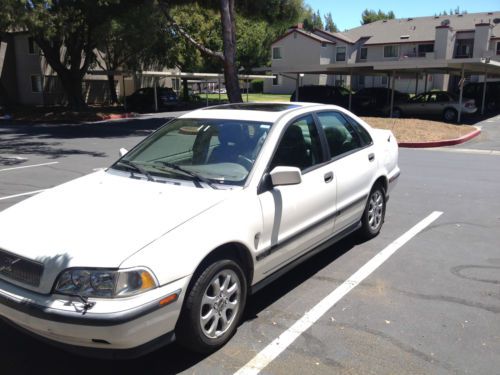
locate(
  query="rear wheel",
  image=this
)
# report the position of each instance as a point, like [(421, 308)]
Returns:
[(213, 307), (374, 214), (450, 115)]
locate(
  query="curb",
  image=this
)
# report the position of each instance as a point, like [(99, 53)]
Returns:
[(446, 142), (119, 116)]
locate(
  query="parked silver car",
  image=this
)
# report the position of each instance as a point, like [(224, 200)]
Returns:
[(435, 103)]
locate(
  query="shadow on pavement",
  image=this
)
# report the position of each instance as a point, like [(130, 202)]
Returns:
[(25, 355)]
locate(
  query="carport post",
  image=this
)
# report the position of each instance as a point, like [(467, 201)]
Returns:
[(416, 85), (218, 85), (297, 87), (124, 96), (483, 102), (462, 77), (426, 79), (156, 94), (350, 91), (247, 84), (393, 84)]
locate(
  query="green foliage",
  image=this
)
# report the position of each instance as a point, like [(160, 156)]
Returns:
[(257, 86), (452, 11), (370, 15), (329, 24), (311, 20)]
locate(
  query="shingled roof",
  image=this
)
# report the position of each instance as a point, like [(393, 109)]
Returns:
[(418, 29)]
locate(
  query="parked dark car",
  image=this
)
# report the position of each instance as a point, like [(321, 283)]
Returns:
[(376, 100), (474, 90), (143, 99), (337, 95)]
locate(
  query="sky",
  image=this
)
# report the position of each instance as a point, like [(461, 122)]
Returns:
[(347, 13)]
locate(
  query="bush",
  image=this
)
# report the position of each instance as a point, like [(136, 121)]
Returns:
[(257, 86)]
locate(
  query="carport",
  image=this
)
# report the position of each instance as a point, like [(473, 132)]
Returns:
[(185, 77), (459, 67)]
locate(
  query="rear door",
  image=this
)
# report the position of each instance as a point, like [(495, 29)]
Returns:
[(353, 163)]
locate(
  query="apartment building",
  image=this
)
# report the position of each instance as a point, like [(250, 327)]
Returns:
[(421, 53)]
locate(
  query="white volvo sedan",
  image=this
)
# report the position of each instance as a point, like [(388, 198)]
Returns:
[(169, 241)]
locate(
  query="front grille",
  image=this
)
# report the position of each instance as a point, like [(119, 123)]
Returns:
[(20, 269)]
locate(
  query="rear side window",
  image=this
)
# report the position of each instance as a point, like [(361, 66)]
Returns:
[(366, 139), (340, 135)]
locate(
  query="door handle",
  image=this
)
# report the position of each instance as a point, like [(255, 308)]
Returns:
[(371, 157), (328, 177)]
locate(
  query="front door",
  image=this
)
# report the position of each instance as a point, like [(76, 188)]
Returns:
[(297, 217)]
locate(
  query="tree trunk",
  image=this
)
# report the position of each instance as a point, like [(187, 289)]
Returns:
[(229, 41), (72, 85), (112, 89)]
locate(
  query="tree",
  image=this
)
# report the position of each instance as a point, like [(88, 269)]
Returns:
[(370, 15), (270, 10), (131, 40), (311, 20), (329, 24), (67, 32)]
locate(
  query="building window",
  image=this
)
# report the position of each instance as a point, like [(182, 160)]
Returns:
[(363, 53), (361, 80), (391, 51), (323, 45), (498, 48), (340, 56), (277, 53), (36, 83), (425, 48), (464, 48), (277, 80)]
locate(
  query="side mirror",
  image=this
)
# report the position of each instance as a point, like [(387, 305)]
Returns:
[(123, 151), (285, 176)]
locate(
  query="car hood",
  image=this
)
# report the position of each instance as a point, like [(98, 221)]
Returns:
[(99, 220)]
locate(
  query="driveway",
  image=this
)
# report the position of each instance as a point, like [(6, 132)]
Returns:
[(489, 139)]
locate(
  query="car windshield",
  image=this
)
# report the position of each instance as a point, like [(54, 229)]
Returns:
[(212, 151)]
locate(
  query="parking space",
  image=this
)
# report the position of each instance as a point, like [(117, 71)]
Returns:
[(432, 307)]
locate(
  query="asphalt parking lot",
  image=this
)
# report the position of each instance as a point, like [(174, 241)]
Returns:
[(431, 308)]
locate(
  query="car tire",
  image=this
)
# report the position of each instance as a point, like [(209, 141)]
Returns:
[(374, 213), (213, 307), (450, 115), (397, 113)]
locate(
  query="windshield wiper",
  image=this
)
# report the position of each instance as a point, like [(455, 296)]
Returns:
[(137, 168), (192, 174)]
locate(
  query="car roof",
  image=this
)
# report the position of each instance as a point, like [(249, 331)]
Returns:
[(264, 112)]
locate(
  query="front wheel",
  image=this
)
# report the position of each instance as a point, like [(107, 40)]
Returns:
[(450, 115), (374, 213), (213, 307)]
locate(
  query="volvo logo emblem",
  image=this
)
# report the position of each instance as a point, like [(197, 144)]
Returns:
[(7, 263)]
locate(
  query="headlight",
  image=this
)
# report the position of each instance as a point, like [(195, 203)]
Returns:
[(104, 283)]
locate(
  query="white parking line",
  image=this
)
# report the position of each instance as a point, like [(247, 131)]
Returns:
[(270, 352), (28, 166), (22, 194)]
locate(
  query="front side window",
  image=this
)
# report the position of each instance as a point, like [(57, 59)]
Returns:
[(391, 51), (340, 56), (300, 145), (221, 151), (277, 53), (340, 135)]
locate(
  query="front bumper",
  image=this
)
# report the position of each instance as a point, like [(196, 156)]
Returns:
[(118, 324)]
